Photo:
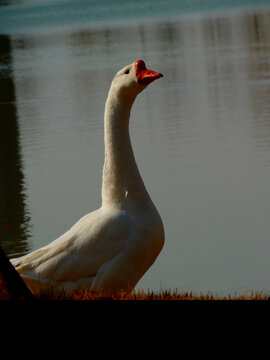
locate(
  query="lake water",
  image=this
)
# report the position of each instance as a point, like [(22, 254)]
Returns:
[(201, 134)]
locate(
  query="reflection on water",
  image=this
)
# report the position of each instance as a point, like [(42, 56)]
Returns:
[(13, 215), (201, 137)]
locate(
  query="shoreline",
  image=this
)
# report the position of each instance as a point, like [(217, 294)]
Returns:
[(149, 296)]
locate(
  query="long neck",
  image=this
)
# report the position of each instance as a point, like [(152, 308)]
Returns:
[(122, 185)]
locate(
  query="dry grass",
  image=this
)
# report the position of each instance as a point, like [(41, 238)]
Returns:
[(53, 294), (149, 296)]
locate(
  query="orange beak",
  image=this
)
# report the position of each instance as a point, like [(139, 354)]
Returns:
[(145, 76)]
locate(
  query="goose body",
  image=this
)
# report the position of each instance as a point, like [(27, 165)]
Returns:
[(110, 248)]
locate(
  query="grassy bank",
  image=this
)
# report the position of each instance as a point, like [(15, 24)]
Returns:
[(141, 295), (53, 294)]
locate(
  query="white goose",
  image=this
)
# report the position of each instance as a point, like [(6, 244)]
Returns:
[(110, 248)]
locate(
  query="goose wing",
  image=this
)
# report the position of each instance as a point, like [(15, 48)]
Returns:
[(78, 253)]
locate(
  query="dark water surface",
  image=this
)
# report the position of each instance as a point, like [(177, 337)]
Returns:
[(201, 137)]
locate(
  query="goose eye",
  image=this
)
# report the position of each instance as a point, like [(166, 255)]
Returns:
[(127, 71)]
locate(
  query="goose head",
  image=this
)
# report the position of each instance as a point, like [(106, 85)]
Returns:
[(133, 79)]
